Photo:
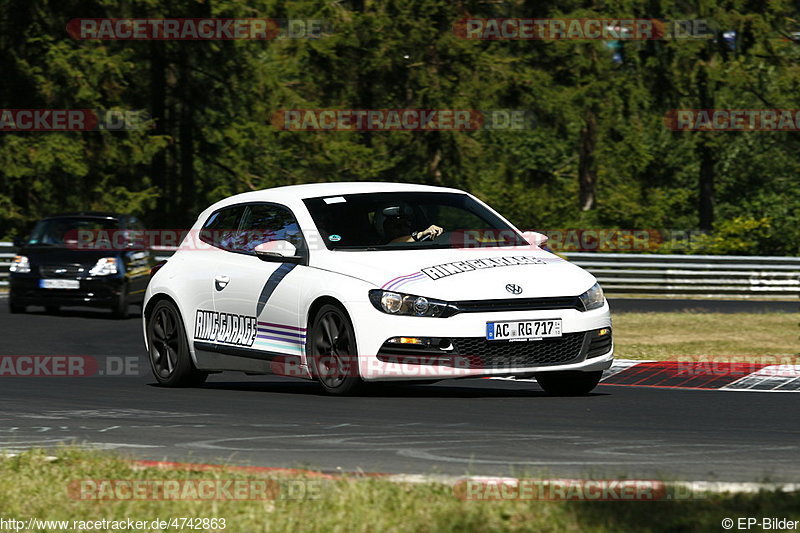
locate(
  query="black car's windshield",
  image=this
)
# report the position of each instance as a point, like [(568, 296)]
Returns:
[(408, 220), (62, 231)]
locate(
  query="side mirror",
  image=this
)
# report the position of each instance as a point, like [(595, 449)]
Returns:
[(535, 239), (278, 252)]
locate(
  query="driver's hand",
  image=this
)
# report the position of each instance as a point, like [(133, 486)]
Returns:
[(433, 231)]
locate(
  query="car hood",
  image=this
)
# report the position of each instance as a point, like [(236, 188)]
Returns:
[(59, 255), (459, 274)]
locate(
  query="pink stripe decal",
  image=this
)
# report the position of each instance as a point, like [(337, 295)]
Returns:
[(407, 281), (385, 285), (396, 282)]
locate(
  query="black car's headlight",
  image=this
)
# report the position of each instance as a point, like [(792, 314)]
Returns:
[(397, 303), (105, 266), (20, 264), (593, 298)]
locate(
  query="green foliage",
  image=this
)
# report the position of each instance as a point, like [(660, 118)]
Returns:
[(211, 105)]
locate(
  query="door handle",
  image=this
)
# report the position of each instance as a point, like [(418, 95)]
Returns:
[(220, 282)]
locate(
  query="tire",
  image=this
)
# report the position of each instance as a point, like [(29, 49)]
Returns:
[(120, 308), (569, 383), (168, 349), (332, 353), (16, 308)]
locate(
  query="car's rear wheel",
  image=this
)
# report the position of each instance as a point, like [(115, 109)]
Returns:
[(15, 308), (331, 347), (170, 359), (569, 383)]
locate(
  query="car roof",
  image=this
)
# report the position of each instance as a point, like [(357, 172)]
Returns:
[(291, 194)]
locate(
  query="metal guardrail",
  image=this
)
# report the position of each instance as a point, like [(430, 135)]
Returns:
[(652, 274), (694, 275)]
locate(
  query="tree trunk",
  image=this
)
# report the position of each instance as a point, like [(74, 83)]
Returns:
[(587, 163), (706, 208), (706, 154), (186, 142), (158, 95)]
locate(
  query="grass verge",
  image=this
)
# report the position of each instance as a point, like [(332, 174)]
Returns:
[(665, 336), (32, 486)]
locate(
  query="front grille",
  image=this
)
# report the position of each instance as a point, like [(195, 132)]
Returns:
[(61, 271), (599, 346), (503, 354), (518, 304)]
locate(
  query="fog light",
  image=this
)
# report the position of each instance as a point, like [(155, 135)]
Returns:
[(604, 331), (405, 340)]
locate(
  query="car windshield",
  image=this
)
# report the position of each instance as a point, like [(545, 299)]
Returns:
[(62, 231), (402, 220)]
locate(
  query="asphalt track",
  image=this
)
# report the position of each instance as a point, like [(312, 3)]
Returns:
[(489, 427)]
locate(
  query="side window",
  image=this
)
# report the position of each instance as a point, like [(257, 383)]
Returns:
[(222, 228), (264, 223)]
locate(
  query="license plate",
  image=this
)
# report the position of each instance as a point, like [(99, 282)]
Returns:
[(59, 284), (523, 329)]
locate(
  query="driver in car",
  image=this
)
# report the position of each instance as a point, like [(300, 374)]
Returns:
[(397, 227)]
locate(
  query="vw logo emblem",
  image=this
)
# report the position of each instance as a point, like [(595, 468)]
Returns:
[(514, 289)]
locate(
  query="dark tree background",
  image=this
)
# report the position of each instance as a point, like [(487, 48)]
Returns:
[(600, 156)]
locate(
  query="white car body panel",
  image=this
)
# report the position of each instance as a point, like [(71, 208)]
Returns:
[(188, 278)]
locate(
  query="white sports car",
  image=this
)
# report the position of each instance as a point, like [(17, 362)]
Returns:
[(347, 283)]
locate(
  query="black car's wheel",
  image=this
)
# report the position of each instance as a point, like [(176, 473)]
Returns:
[(169, 352), (15, 308), (331, 347), (120, 307), (569, 383)]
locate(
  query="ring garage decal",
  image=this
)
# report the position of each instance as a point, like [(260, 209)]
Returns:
[(225, 328), (448, 269)]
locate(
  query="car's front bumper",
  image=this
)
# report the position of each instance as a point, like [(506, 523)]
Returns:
[(586, 345), (92, 292)]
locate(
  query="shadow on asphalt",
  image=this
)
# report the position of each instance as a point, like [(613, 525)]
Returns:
[(304, 388), (100, 314)]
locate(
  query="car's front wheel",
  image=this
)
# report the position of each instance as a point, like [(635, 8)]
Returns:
[(169, 352), (331, 349), (119, 309), (569, 383)]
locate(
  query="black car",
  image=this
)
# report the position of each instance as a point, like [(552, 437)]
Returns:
[(80, 259)]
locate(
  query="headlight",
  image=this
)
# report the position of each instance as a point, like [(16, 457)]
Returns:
[(20, 264), (105, 266), (396, 303), (593, 298)]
